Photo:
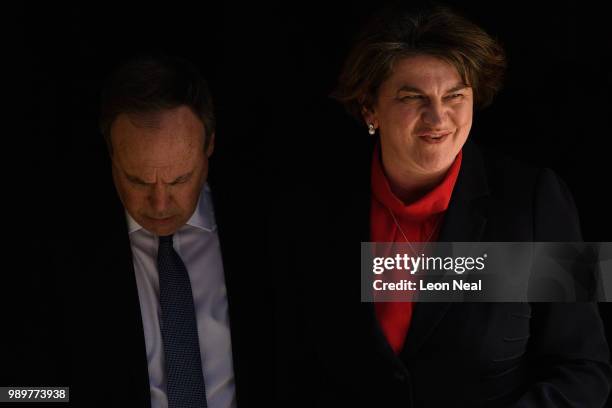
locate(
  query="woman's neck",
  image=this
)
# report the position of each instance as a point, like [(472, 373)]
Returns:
[(409, 185)]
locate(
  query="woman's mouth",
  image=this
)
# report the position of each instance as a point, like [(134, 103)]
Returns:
[(434, 138)]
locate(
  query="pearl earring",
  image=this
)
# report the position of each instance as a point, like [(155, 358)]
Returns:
[(371, 129)]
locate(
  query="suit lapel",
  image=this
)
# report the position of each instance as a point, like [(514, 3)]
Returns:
[(224, 231), (120, 294), (464, 221), (465, 218), (124, 264), (236, 258)]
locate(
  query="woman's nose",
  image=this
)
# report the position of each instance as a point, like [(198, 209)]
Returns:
[(433, 115)]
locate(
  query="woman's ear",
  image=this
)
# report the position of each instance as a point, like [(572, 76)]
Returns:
[(369, 116)]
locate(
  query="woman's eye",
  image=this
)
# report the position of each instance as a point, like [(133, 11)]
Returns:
[(408, 98), (455, 96)]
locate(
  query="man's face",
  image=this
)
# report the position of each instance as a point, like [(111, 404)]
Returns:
[(160, 166), (424, 98)]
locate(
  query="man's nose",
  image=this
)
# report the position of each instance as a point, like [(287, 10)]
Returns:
[(159, 198)]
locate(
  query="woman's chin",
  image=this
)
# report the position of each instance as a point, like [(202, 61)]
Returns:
[(436, 163)]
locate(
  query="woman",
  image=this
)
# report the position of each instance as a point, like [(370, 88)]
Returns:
[(413, 79)]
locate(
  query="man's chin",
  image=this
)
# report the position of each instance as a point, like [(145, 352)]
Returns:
[(161, 227)]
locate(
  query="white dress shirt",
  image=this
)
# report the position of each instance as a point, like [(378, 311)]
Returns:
[(197, 243)]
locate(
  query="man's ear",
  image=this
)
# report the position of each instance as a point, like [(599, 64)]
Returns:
[(210, 145), (369, 116)]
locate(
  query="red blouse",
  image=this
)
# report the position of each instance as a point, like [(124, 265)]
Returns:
[(419, 221)]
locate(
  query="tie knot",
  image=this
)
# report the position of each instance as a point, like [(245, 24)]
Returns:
[(165, 240)]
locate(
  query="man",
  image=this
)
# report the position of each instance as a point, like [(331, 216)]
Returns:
[(162, 255)]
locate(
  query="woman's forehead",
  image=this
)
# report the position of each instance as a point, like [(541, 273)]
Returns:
[(423, 71)]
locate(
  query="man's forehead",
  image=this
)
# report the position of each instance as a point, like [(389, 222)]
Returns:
[(140, 138), (166, 159), (157, 153), (152, 120), (172, 117), (168, 129), (152, 174), (157, 145)]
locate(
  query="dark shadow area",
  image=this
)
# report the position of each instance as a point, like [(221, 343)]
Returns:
[(270, 69)]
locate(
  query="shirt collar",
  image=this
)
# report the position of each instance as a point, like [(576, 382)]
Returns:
[(433, 202), (202, 218)]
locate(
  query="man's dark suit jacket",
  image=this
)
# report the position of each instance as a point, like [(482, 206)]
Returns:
[(80, 323), (456, 354)]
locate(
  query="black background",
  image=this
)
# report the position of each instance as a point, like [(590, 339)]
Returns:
[(270, 69)]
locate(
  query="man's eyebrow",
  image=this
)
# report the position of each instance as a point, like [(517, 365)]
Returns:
[(408, 88), (138, 180), (134, 178), (182, 177)]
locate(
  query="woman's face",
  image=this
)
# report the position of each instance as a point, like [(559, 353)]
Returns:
[(424, 114)]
